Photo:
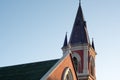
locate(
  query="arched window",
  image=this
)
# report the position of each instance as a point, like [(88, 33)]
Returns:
[(75, 63), (67, 74)]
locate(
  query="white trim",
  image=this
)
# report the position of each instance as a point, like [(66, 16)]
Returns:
[(85, 56), (80, 47), (85, 68), (64, 50), (77, 56), (55, 66), (67, 71)]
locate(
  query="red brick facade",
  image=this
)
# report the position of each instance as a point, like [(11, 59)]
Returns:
[(57, 73)]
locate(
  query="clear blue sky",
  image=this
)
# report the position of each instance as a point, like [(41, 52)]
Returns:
[(34, 30)]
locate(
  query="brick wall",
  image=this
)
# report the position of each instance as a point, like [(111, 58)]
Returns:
[(58, 72)]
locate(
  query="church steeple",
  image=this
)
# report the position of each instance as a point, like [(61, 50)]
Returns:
[(83, 53), (79, 33)]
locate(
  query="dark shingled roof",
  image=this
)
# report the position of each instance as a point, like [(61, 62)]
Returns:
[(30, 71), (79, 31)]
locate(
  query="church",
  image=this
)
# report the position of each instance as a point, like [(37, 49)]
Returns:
[(77, 62)]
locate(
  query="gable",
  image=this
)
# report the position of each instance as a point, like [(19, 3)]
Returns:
[(58, 71)]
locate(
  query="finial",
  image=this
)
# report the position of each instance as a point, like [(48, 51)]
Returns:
[(66, 32), (65, 41), (93, 44), (79, 2)]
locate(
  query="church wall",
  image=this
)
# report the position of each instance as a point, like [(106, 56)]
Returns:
[(57, 74)]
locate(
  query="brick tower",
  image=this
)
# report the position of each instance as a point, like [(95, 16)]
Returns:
[(83, 52)]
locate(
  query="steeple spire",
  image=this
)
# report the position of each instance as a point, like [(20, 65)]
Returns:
[(93, 44), (65, 41), (79, 33), (79, 2)]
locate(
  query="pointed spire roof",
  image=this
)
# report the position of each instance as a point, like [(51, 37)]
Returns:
[(79, 32), (93, 44), (65, 41)]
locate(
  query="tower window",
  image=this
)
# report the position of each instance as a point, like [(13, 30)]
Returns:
[(75, 63)]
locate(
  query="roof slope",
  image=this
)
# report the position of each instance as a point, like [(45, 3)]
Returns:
[(30, 71)]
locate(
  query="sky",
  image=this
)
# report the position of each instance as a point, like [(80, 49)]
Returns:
[(34, 30)]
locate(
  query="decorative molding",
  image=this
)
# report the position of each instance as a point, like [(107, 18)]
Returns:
[(67, 73), (77, 56), (74, 48), (85, 68), (55, 66)]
